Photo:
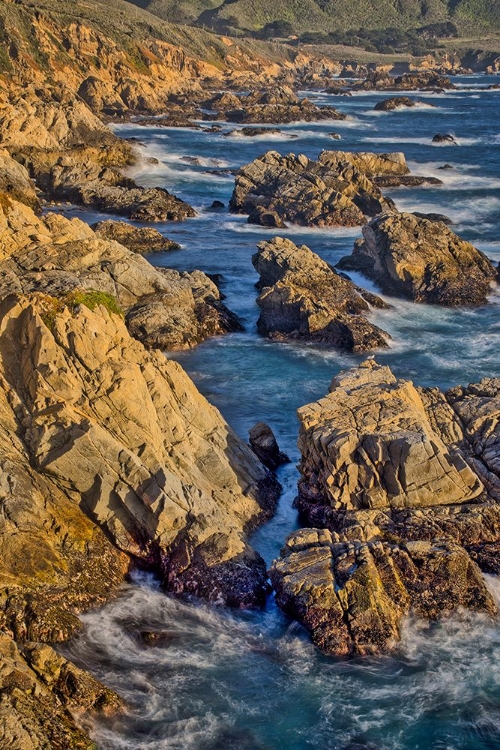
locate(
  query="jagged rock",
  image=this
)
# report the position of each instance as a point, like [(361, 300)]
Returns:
[(279, 105), (408, 180), (138, 239), (405, 484), (434, 217), (422, 260), (124, 434), (396, 102), (15, 182), (422, 79), (101, 96), (253, 132), (106, 189), (264, 445), (39, 689), (352, 596), (333, 191), (370, 444), (265, 217), (186, 312), (59, 257), (302, 297)]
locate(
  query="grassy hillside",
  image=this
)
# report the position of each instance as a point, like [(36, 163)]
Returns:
[(329, 15)]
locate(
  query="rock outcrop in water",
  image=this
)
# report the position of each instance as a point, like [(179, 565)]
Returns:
[(277, 105), (265, 446), (54, 255), (335, 190), (402, 485), (302, 297), (421, 260)]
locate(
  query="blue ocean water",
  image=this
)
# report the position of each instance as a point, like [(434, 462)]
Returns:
[(253, 680)]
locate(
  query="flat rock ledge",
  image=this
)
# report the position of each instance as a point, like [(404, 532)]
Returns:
[(402, 485), (302, 297), (422, 260)]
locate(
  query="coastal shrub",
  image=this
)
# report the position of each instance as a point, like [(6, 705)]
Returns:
[(53, 306)]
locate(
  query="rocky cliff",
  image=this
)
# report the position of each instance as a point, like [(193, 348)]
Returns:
[(109, 454)]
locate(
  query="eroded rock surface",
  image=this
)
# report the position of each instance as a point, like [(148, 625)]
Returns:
[(164, 308), (302, 297), (335, 190), (421, 260), (402, 485), (353, 596), (265, 446)]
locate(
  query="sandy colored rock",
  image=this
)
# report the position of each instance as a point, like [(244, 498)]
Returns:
[(15, 181), (141, 240), (302, 297), (125, 435), (371, 444), (421, 260), (57, 256)]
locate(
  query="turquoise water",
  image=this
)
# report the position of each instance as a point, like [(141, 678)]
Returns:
[(253, 680)]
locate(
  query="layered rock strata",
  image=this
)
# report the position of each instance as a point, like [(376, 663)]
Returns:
[(402, 484), (421, 260), (302, 297), (142, 240)]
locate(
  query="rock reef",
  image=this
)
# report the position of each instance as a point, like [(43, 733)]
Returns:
[(336, 190)]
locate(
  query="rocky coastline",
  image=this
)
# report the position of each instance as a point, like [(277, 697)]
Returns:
[(111, 457)]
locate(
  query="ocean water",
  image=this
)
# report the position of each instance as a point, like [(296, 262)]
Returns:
[(253, 680)]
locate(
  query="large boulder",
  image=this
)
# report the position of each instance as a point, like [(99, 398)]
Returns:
[(332, 191), (302, 297), (54, 255), (421, 260), (371, 444)]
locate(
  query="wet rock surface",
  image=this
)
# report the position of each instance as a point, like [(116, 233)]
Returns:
[(264, 444), (421, 260), (301, 297)]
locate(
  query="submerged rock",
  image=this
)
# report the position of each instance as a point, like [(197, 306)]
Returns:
[(421, 260), (264, 445), (301, 297), (336, 190), (446, 138)]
